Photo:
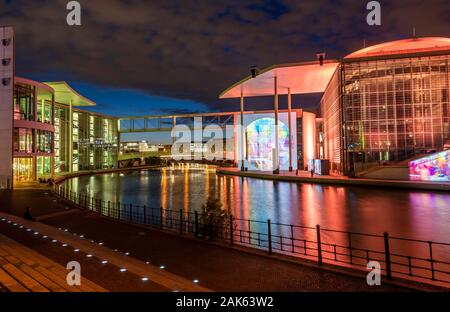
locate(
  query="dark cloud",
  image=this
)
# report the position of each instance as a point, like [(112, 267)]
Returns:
[(193, 49)]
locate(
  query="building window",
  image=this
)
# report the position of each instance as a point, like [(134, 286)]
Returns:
[(23, 168), (44, 141), (23, 103), (23, 140), (395, 109), (43, 166)]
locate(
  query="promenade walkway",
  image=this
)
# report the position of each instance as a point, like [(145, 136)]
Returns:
[(305, 177), (171, 262)]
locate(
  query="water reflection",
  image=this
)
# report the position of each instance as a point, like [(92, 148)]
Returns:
[(414, 214)]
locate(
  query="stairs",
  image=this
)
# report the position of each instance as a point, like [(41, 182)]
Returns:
[(24, 270)]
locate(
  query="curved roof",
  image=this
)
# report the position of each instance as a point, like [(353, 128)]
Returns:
[(301, 78), (64, 94), (42, 90), (405, 46), (42, 87)]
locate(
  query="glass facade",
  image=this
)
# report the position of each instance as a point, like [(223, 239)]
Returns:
[(394, 109), (330, 131), (23, 102), (23, 140), (44, 141), (23, 169), (43, 166), (94, 140)]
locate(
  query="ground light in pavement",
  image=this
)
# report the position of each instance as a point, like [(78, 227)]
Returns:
[(89, 255)]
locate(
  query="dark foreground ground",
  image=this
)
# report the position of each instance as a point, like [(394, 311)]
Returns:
[(216, 267)]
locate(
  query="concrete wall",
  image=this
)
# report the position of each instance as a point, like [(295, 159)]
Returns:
[(6, 106), (309, 137)]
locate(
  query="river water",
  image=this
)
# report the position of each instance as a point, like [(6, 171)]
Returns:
[(413, 214)]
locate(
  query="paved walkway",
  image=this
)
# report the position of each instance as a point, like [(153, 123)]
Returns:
[(185, 260), (98, 263), (305, 177)]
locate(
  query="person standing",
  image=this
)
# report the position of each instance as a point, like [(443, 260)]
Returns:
[(28, 215)]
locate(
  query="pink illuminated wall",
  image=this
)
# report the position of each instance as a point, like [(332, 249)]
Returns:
[(309, 137)]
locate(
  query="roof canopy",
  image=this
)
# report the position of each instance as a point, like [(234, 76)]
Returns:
[(406, 46), (64, 94), (301, 78)]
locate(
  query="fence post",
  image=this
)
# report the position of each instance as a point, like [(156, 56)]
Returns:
[(269, 236), (249, 232), (131, 213), (350, 247), (196, 224), (292, 239), (231, 230), (145, 215), (118, 211), (431, 260), (387, 256), (109, 208), (161, 219), (181, 221), (319, 245)]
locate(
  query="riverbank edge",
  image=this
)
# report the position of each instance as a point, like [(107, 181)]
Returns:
[(414, 285), (415, 185)]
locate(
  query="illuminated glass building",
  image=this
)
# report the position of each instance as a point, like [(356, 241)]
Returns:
[(395, 101), (44, 143), (384, 104), (43, 131)]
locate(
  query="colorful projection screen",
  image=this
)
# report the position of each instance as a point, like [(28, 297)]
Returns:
[(434, 167), (260, 141)]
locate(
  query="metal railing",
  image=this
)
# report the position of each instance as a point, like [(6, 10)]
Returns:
[(425, 261)]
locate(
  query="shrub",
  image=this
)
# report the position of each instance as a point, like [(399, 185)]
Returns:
[(153, 160), (214, 219)]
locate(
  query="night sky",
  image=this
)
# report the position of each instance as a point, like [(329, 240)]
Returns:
[(136, 57)]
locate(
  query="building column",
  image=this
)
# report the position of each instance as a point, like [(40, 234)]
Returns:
[(34, 167), (242, 131), (70, 143), (290, 128), (236, 139), (275, 156)]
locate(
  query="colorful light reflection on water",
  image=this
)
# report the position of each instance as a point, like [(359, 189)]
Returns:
[(412, 214)]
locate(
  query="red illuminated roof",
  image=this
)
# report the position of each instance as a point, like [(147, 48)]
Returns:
[(406, 46), (302, 78)]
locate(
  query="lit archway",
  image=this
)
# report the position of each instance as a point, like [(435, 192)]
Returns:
[(260, 138)]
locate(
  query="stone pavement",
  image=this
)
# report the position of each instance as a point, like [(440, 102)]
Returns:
[(212, 266)]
